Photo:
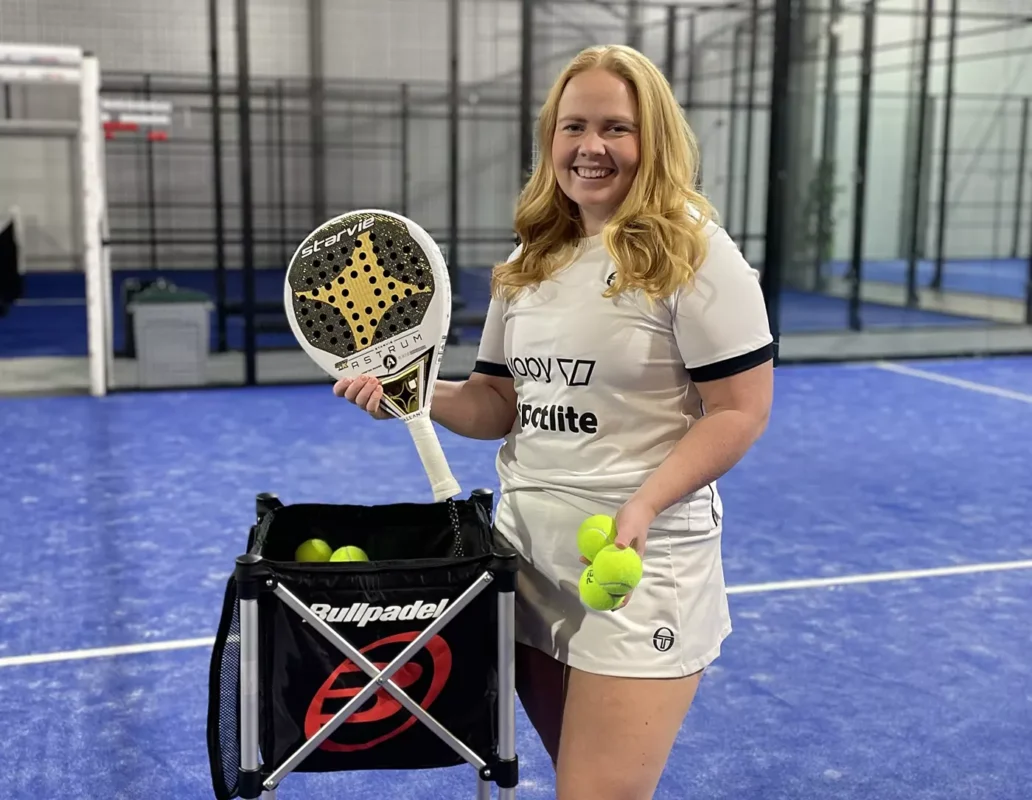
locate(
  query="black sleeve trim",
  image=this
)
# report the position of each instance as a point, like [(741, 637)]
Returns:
[(490, 368), (732, 366)]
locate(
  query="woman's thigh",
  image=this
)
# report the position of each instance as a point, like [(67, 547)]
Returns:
[(617, 734), (541, 687)]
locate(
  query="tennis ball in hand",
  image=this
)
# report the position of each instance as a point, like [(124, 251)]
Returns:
[(349, 553), (595, 533), (617, 570), (313, 550), (593, 595)]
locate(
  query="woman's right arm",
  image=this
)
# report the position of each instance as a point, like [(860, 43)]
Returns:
[(480, 407)]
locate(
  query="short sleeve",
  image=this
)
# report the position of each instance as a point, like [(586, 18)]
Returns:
[(719, 319), (491, 353)]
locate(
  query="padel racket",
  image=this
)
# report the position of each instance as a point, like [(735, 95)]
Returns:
[(368, 293)]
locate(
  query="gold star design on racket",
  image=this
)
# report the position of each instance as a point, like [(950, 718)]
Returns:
[(361, 307)]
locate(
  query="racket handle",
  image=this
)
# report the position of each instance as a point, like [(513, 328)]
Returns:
[(442, 482)]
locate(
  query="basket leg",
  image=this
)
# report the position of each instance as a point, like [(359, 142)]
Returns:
[(507, 685), (250, 779)]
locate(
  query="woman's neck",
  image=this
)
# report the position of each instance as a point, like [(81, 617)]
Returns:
[(593, 224)]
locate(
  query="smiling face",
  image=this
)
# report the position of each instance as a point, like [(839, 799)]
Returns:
[(595, 148)]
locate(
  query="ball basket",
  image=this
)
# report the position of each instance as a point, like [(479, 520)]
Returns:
[(402, 662)]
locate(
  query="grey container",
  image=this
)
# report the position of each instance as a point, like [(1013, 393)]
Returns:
[(172, 328)]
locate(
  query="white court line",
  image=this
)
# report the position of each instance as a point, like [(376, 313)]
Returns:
[(755, 588), (878, 577), (934, 376), (105, 652)]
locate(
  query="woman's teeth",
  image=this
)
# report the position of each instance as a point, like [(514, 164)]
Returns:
[(585, 172)]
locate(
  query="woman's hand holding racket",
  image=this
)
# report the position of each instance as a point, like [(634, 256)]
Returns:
[(365, 391)]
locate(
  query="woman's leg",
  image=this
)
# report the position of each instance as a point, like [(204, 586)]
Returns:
[(617, 734), (541, 687)]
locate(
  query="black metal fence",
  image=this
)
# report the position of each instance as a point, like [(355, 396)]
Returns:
[(851, 157)]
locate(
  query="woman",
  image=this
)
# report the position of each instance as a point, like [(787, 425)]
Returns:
[(623, 315)]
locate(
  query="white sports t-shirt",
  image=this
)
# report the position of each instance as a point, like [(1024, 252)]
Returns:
[(606, 387)]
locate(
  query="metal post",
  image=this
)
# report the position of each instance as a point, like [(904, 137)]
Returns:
[(829, 136), (454, 23), (249, 772), (689, 83), (671, 43), (271, 174), (1028, 281), (860, 170), (947, 133), (246, 189), (754, 24), (281, 161), (405, 133), (317, 109), (507, 680), (914, 245), (1020, 199), (249, 685), (635, 28), (732, 132), (777, 161), (216, 165), (526, 90), (152, 212)]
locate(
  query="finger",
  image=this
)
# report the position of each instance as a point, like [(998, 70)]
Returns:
[(364, 395), (340, 387), (626, 600), (632, 542), (356, 386), (373, 404)]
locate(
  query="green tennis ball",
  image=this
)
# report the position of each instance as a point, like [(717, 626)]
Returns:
[(313, 550), (349, 553), (617, 570), (594, 534), (593, 595)]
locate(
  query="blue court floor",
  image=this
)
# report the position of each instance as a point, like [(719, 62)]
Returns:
[(877, 546)]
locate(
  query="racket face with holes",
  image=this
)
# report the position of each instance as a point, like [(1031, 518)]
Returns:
[(368, 293)]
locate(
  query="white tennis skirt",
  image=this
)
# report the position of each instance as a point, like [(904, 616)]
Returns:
[(672, 626)]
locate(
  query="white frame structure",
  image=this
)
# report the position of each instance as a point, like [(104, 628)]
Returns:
[(50, 64)]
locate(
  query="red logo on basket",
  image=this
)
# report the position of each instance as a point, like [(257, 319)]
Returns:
[(348, 680)]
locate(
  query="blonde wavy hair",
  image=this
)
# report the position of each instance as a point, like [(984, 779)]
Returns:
[(656, 237)]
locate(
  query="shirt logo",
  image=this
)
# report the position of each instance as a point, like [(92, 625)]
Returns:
[(574, 371), (557, 418)]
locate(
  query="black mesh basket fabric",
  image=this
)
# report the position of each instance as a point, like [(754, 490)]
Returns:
[(224, 699), (422, 557)]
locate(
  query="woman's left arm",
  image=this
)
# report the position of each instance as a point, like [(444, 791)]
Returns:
[(736, 412), (737, 408)]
